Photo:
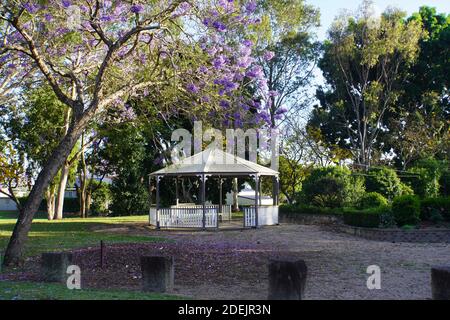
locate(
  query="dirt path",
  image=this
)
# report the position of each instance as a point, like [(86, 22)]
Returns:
[(233, 264)]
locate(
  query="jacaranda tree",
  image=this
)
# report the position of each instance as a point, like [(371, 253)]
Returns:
[(97, 54)]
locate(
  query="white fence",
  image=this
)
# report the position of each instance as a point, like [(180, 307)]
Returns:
[(187, 217), (267, 216), (225, 214), (249, 217)]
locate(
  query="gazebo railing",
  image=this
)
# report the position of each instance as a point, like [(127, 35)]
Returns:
[(187, 217), (226, 209)]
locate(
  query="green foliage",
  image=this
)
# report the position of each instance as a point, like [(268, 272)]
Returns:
[(293, 209), (101, 198), (406, 210), (384, 181), (425, 177), (368, 218), (332, 187), (434, 206), (372, 200)]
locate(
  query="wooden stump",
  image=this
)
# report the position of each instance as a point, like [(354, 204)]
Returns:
[(54, 266), (287, 279), (157, 273), (440, 283)]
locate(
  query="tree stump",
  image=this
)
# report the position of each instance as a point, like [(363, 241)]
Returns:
[(157, 273), (54, 266), (287, 279), (440, 283)]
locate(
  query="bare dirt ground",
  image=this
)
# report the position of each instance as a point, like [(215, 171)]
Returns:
[(233, 264)]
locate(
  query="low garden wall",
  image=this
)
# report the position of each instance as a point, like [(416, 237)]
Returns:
[(376, 234), (397, 235)]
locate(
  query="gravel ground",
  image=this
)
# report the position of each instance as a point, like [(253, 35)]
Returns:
[(233, 264)]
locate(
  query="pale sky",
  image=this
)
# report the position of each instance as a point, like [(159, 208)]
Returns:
[(330, 8)]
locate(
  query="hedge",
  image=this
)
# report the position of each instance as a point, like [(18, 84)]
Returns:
[(430, 205), (291, 209), (406, 210), (368, 218)]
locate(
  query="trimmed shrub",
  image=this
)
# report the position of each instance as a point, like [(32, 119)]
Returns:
[(291, 209), (372, 200), (384, 181), (406, 210), (369, 218), (432, 206), (332, 187)]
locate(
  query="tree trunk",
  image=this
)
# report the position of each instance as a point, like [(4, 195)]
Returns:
[(19, 236), (65, 169), (83, 180), (50, 196), (61, 191)]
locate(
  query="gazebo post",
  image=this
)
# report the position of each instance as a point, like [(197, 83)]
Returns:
[(203, 201), (176, 191), (259, 193), (157, 202), (275, 189), (256, 199), (220, 195), (150, 198)]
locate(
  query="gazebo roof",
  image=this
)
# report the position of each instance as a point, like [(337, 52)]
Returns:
[(215, 162)]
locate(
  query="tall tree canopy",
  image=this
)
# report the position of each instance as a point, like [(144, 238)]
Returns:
[(362, 62)]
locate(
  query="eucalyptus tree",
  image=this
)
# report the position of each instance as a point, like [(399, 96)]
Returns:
[(97, 54), (362, 62)]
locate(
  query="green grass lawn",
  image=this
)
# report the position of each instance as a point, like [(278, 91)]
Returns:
[(51, 291), (66, 234), (70, 232)]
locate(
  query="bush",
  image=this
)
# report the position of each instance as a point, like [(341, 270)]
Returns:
[(332, 187), (101, 198), (368, 218), (431, 207), (425, 177), (384, 181), (372, 200), (406, 210), (70, 204), (291, 209)]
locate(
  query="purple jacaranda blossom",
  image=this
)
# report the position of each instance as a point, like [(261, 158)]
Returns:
[(48, 17), (245, 50), (203, 69), (66, 3), (281, 110), (31, 7), (268, 55), (137, 8), (192, 88), (250, 7), (247, 43), (219, 26), (224, 104), (245, 62), (106, 18), (255, 72), (207, 21), (211, 51), (219, 62)]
